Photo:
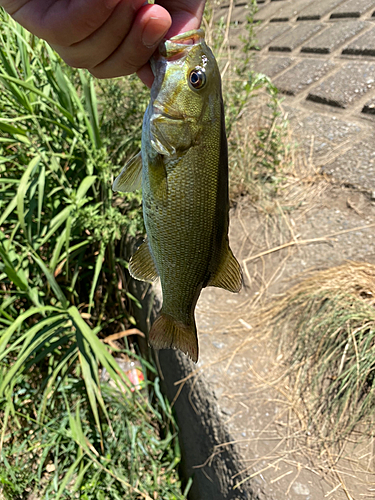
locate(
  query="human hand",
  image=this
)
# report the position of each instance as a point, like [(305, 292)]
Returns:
[(108, 37)]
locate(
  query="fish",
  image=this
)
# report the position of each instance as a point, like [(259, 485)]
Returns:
[(183, 171)]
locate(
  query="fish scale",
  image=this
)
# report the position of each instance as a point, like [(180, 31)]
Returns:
[(184, 165)]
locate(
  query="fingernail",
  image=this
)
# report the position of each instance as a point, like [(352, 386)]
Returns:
[(154, 31)]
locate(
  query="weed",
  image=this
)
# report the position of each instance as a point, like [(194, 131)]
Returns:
[(256, 129), (65, 455), (326, 325), (63, 288)]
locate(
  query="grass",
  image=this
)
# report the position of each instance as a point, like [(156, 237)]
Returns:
[(326, 329), (63, 238), (258, 141), (65, 455), (64, 433)]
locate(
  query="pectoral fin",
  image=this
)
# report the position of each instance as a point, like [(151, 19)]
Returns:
[(228, 274), (142, 266), (131, 175)]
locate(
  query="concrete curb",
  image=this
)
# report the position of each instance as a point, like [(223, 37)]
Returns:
[(201, 429)]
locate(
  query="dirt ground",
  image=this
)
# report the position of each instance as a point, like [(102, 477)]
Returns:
[(315, 223), (323, 216)]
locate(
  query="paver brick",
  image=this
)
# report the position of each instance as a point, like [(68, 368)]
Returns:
[(240, 13), (332, 37), (296, 40), (268, 11), (236, 34), (356, 166), (353, 8), (363, 45), (296, 37), (305, 73), (369, 107), (274, 65), (319, 134), (318, 9), (348, 84), (224, 4), (269, 32), (289, 10)]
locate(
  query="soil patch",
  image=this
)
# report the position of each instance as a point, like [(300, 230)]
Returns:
[(314, 224)]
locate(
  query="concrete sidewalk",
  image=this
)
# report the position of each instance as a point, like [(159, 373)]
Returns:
[(321, 56)]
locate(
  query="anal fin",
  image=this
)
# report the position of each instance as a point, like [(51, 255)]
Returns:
[(142, 266), (130, 177), (167, 333), (228, 274)]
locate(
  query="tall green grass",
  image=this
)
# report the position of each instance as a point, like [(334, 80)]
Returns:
[(62, 283)]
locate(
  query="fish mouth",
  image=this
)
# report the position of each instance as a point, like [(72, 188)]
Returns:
[(177, 46)]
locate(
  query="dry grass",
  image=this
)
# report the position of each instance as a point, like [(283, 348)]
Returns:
[(325, 327), (323, 335), (321, 373)]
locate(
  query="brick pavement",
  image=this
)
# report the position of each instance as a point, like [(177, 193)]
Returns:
[(321, 55)]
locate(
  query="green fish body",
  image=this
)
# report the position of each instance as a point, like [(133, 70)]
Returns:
[(183, 170)]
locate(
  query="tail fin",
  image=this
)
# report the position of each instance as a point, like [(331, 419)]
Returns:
[(167, 333)]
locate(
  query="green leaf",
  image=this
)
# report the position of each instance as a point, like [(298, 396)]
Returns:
[(85, 186), (51, 280), (68, 476), (98, 267), (16, 83), (41, 184), (91, 106), (22, 189), (15, 277), (12, 205), (99, 349), (11, 129), (36, 333), (55, 223)]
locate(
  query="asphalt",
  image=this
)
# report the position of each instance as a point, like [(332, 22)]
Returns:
[(321, 56)]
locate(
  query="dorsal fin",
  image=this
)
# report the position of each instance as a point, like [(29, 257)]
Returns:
[(142, 266), (228, 274), (130, 177)]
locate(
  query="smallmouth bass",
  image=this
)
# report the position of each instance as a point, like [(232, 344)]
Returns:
[(183, 171)]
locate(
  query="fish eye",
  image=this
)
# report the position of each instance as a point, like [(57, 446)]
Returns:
[(197, 79)]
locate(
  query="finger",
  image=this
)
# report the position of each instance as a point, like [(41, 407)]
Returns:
[(186, 14), (65, 22), (145, 75), (149, 28), (95, 48)]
